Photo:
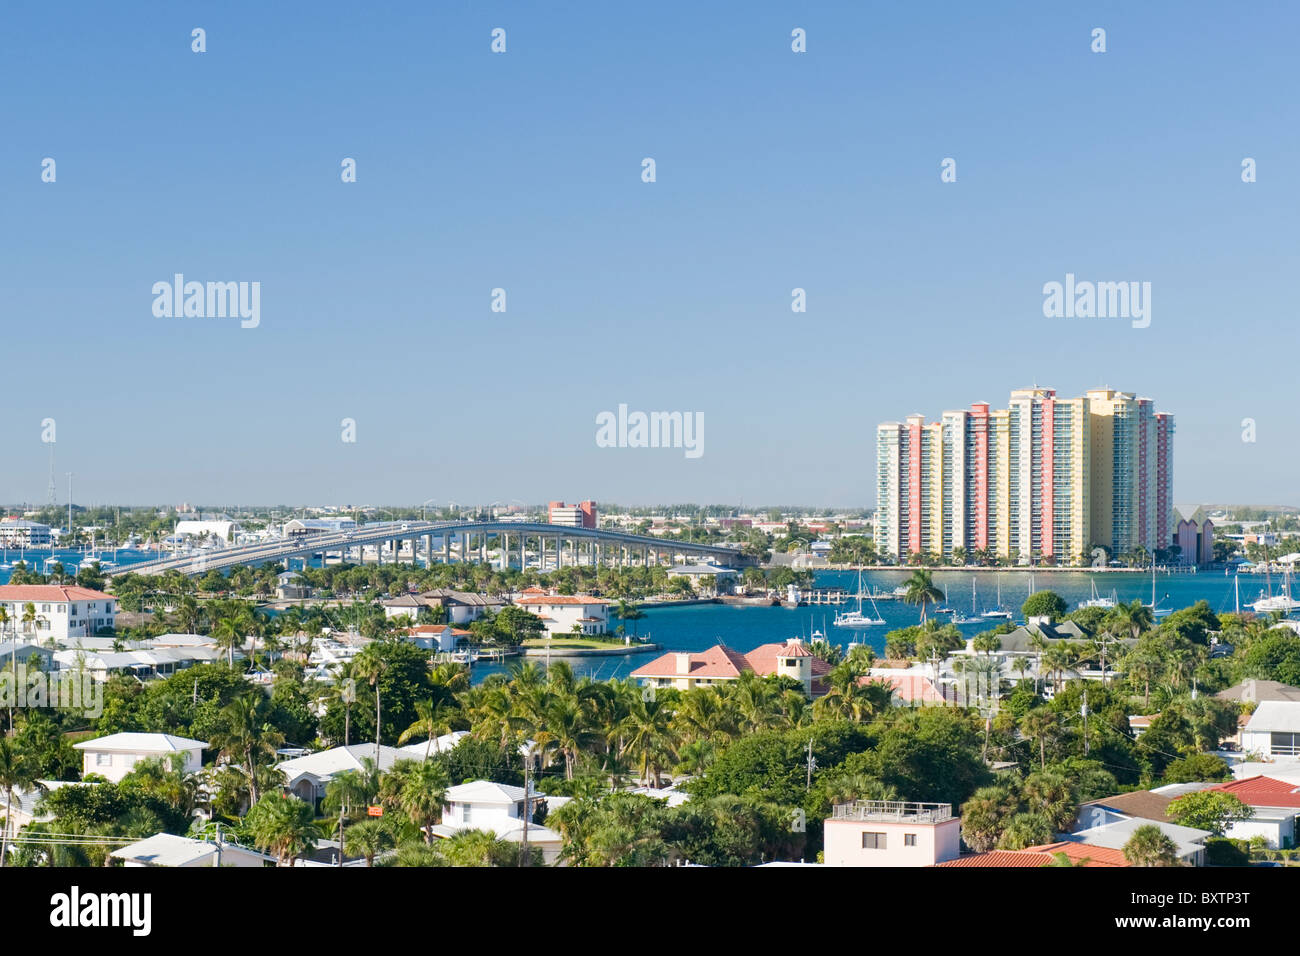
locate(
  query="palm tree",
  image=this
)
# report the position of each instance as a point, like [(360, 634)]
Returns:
[(370, 666), (282, 825), (432, 721), (922, 590), (368, 839), (248, 736), (649, 737), (1150, 846), (17, 772), (1040, 724), (417, 789)]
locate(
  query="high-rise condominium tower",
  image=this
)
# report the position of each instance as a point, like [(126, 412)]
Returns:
[(1045, 479)]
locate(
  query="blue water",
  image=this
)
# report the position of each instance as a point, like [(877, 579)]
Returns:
[(698, 627), (37, 559)]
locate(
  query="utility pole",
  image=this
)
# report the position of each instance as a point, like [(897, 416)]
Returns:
[(811, 763), (217, 861), (528, 807), (1084, 711), (69, 504)]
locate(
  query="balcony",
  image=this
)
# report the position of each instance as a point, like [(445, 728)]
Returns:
[(892, 811)]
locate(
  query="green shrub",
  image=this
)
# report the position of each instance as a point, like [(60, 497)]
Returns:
[(1220, 851)]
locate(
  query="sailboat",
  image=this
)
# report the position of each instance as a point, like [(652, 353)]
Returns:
[(960, 618), (1096, 600), (998, 612), (857, 618), (1283, 602), (1156, 611)]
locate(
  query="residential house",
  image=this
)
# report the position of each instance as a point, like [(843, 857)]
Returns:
[(500, 808), (306, 777), (1276, 804), (706, 577), (891, 833), (441, 638), (61, 611), (1273, 731), (567, 613), (114, 756), (720, 664), (1258, 691), (166, 849), (1190, 841), (1078, 854), (145, 664), (461, 606)]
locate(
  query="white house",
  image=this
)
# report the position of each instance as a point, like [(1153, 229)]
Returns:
[(439, 745), (498, 807), (61, 611), (705, 577), (461, 606), (891, 833), (166, 849), (1189, 840), (1276, 804), (1273, 730), (306, 777), (560, 612), (112, 757), (145, 664)]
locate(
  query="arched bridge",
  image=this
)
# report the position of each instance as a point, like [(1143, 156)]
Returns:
[(552, 546)]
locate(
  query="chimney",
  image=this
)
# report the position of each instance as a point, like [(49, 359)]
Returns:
[(683, 663)]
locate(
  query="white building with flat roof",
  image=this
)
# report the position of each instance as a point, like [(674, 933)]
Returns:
[(114, 756), (1274, 731), (891, 833), (19, 533)]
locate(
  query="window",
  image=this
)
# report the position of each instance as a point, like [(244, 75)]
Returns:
[(873, 841), (464, 813), (103, 760), (909, 839)]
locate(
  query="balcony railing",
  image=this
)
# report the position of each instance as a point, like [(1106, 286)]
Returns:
[(885, 811)]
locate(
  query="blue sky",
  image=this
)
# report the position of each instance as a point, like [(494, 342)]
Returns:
[(521, 170)]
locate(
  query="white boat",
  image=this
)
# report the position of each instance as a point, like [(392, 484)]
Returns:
[(1096, 600), (998, 612), (1283, 602), (1156, 611), (900, 591), (857, 618), (959, 618)]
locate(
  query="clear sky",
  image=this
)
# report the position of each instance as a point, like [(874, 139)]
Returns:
[(522, 171)]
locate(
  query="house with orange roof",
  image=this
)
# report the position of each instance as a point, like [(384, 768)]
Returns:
[(911, 690), (61, 611), (1276, 804), (720, 664), (1079, 854), (566, 613)]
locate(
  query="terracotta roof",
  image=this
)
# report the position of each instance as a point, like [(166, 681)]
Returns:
[(1263, 792), (50, 592), (721, 662), (1095, 855), (762, 659), (1139, 803), (1034, 856), (1019, 858), (436, 629), (559, 599), (910, 688)]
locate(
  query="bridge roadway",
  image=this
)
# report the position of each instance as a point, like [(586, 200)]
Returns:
[(624, 546)]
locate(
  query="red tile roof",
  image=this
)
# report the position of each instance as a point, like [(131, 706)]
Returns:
[(1263, 792), (1095, 855), (721, 662), (50, 592), (1019, 858), (559, 599), (910, 688)]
